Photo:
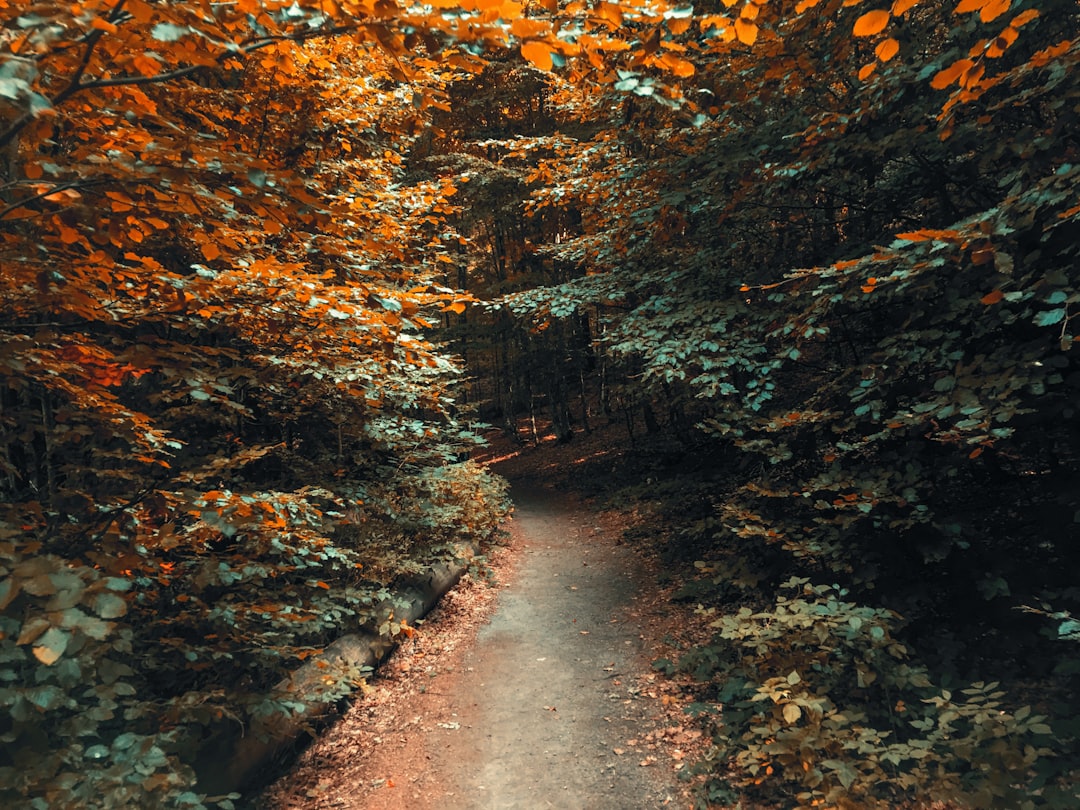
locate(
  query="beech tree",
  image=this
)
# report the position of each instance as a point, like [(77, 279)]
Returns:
[(224, 428)]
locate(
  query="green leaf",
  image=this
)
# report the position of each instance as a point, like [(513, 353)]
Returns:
[(1050, 317), (9, 589), (169, 32), (46, 698), (32, 629), (51, 646), (109, 606), (125, 740), (95, 628)]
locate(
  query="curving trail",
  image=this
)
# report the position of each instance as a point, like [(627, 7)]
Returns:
[(549, 704)]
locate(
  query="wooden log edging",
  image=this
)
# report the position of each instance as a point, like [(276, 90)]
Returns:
[(234, 759)]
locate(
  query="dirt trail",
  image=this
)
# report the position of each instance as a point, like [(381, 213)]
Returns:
[(549, 704)]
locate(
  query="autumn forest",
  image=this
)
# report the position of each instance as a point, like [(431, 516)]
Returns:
[(270, 271)]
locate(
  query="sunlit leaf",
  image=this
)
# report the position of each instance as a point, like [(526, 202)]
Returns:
[(746, 31), (887, 49), (900, 7), (539, 53), (951, 74), (870, 23)]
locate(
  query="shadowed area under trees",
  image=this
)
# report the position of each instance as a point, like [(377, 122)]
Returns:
[(842, 282), (818, 258)]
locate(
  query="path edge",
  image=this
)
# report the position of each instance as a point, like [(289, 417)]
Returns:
[(234, 759)]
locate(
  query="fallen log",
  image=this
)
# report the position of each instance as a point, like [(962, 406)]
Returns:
[(235, 759)]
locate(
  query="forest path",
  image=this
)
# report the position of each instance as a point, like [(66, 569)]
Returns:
[(549, 703)]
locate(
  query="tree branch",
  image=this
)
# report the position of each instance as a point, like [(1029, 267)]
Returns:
[(76, 85), (47, 192)]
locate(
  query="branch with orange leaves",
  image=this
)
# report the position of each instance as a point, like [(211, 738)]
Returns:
[(75, 85)]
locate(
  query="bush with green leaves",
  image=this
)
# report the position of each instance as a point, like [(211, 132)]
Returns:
[(110, 684), (820, 703)]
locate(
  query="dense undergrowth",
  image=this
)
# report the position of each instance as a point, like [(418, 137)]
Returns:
[(818, 694), (116, 678)]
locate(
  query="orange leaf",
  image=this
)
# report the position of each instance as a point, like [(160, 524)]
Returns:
[(323, 585), (947, 76), (887, 49), (524, 27), (678, 26), (680, 67), (102, 24), (611, 12), (967, 6), (870, 23), (992, 297), (994, 9), (210, 251), (1002, 43), (538, 53), (903, 6), (803, 5), (972, 77), (924, 234), (746, 31), (975, 453), (1044, 57), (866, 70), (1024, 17), (510, 10)]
